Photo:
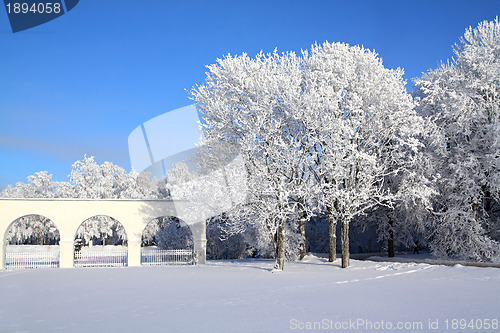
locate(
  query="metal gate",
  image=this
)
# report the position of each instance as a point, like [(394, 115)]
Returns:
[(155, 256), (16, 260), (32, 256), (96, 257)]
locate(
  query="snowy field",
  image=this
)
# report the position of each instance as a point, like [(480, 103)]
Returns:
[(247, 296)]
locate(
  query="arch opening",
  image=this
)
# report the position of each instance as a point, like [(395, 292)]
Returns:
[(31, 241), (100, 241), (167, 240)]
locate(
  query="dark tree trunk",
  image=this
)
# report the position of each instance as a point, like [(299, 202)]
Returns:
[(390, 240), (302, 230), (344, 237), (487, 199), (280, 258), (390, 244), (332, 227)]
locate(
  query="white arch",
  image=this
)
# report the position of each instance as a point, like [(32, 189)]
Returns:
[(68, 214)]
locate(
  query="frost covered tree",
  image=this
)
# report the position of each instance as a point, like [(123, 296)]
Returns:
[(91, 180), (101, 229), (325, 130), (33, 229), (363, 130), (40, 185), (252, 104), (462, 98)]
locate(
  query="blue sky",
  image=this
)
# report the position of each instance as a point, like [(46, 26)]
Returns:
[(81, 83)]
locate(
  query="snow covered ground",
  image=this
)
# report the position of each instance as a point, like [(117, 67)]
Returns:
[(54, 249), (247, 296)]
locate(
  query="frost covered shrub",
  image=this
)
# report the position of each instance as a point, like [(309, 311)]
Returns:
[(176, 235), (153, 228), (264, 244), (221, 247), (252, 243), (261, 244)]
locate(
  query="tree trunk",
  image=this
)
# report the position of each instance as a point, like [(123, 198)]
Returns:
[(280, 259), (332, 229), (390, 240), (302, 230), (344, 237), (390, 244)]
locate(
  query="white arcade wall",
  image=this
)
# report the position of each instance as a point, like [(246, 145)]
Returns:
[(134, 215)]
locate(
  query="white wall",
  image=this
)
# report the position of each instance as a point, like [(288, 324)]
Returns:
[(134, 215)]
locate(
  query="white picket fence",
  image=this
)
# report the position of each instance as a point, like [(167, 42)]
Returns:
[(154, 256), (100, 258), (16, 260)]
